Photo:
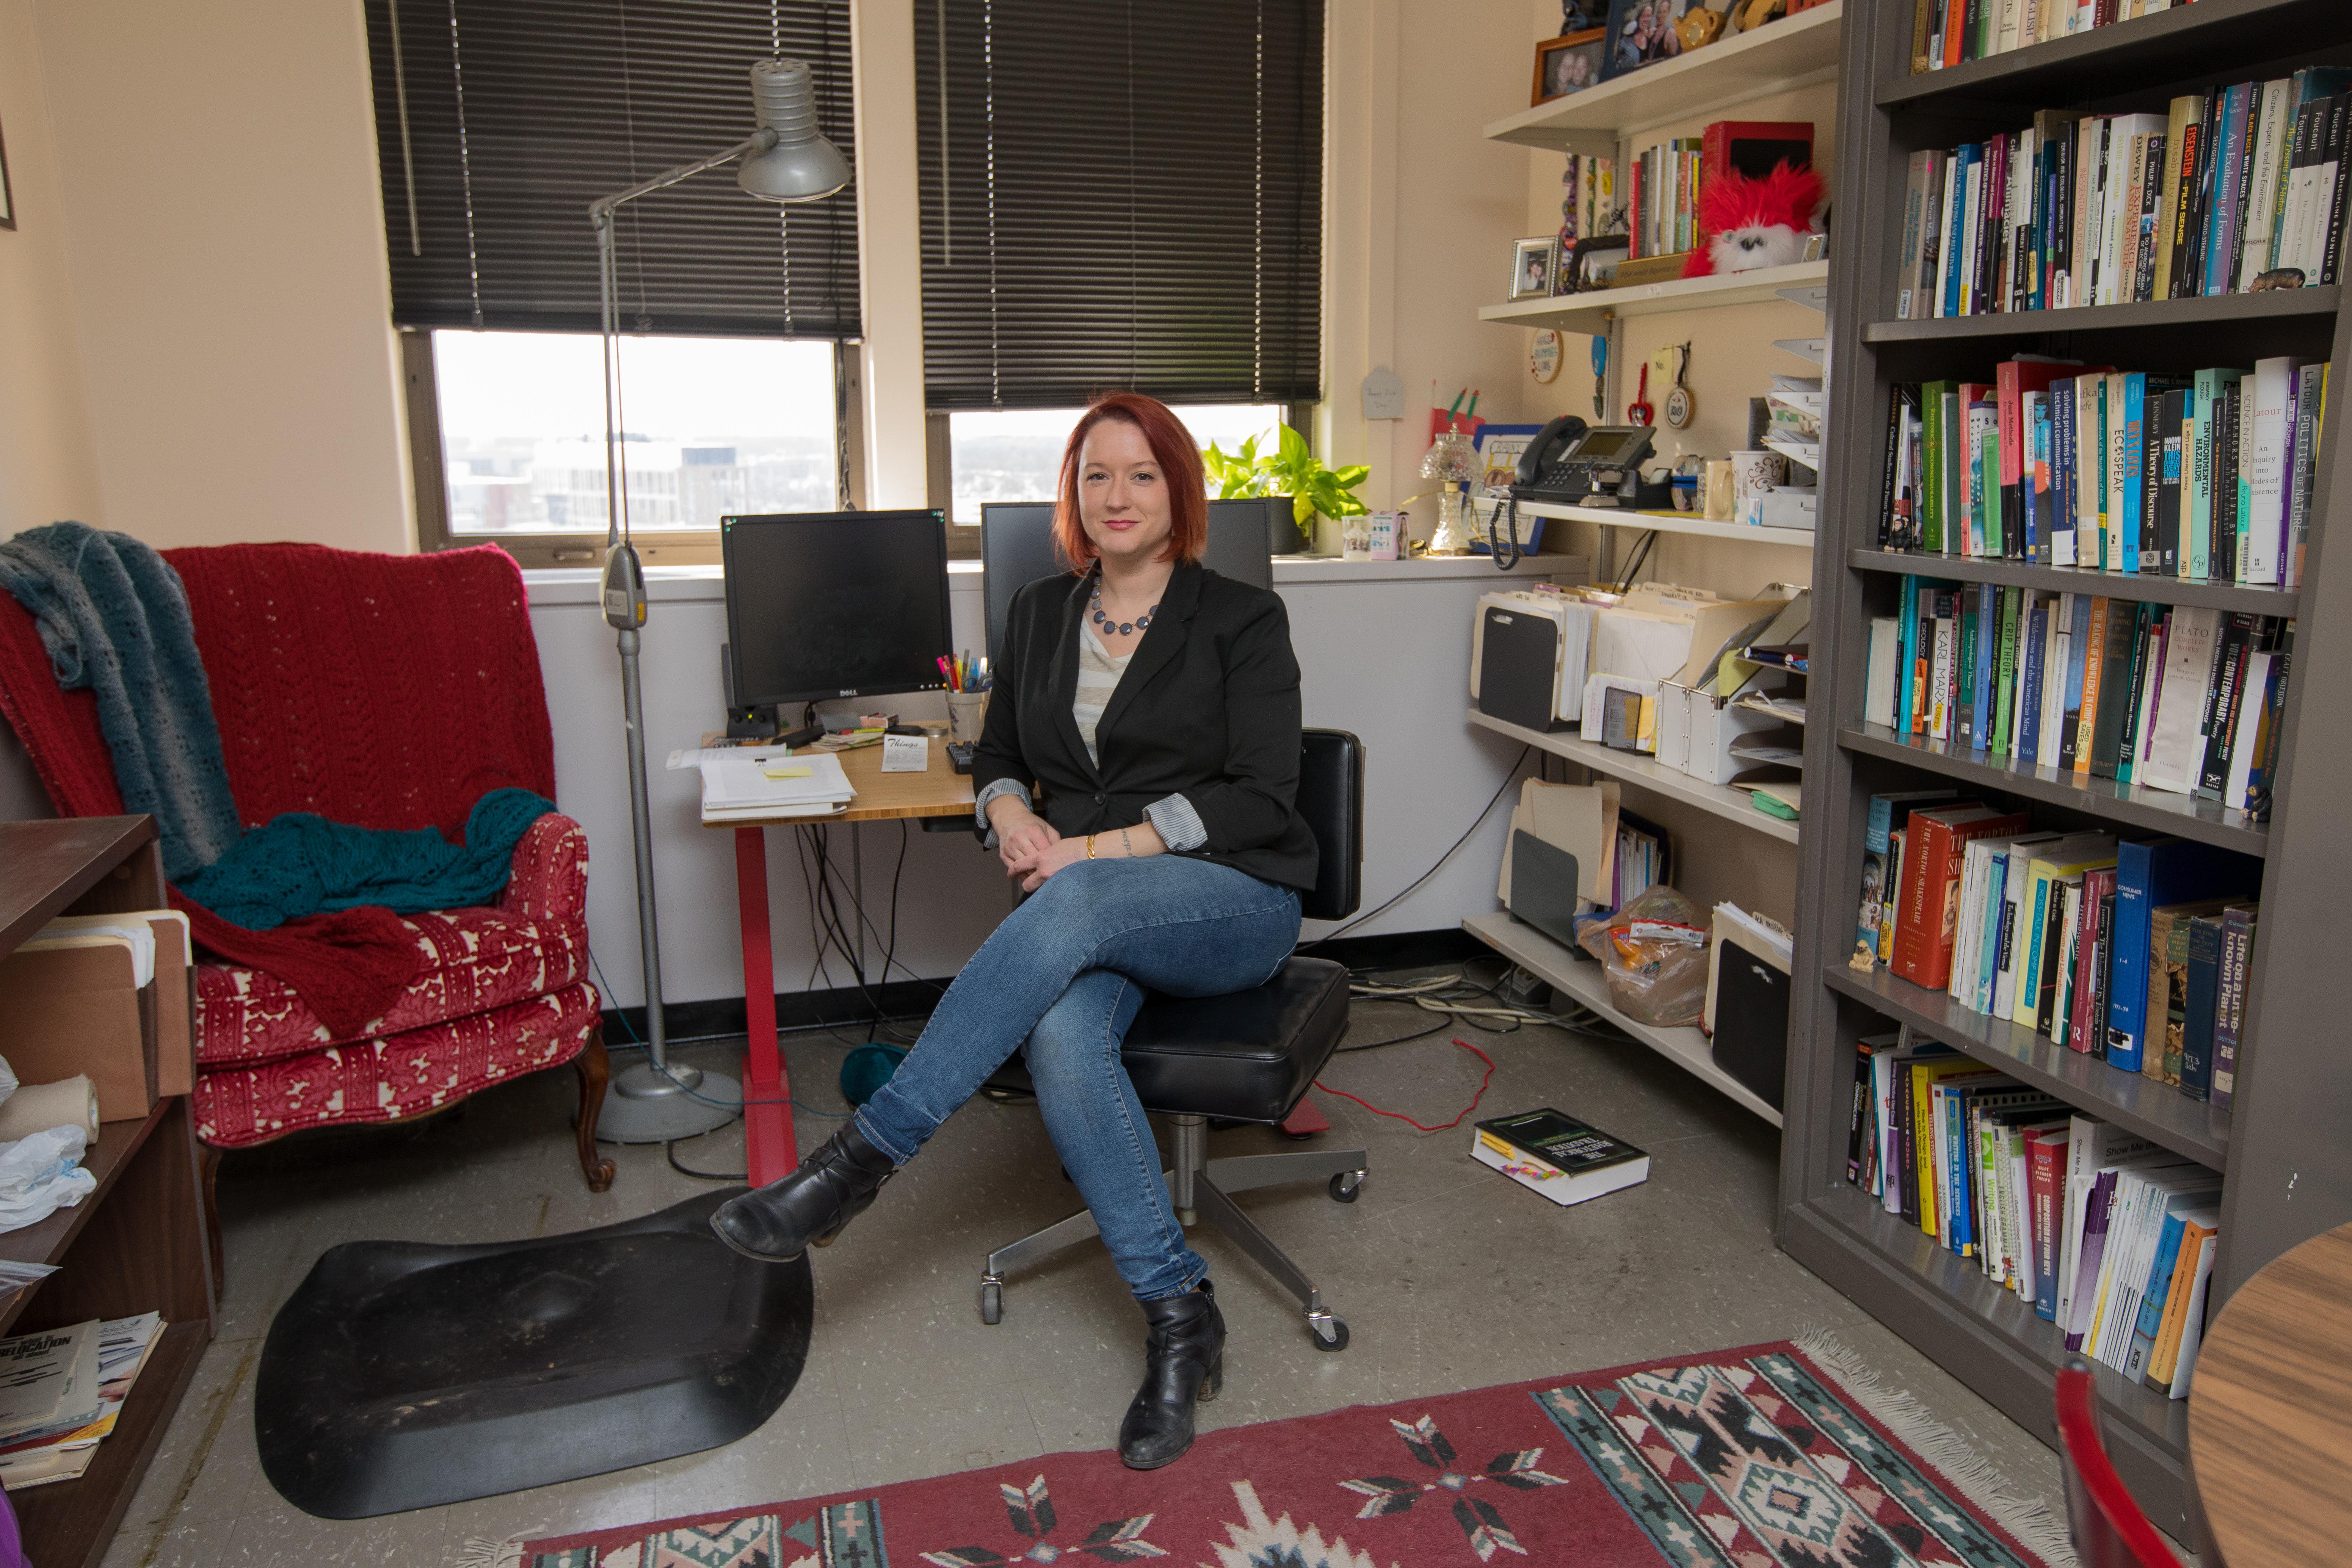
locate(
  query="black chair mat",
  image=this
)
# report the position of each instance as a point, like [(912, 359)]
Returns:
[(403, 1375)]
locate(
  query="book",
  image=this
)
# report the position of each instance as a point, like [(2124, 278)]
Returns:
[(1549, 1151), (1888, 812), (2068, 856), (2169, 987), (2203, 993), (1928, 922), (48, 1379), (2237, 924)]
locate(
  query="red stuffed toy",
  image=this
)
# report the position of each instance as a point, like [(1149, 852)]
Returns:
[(1752, 223)]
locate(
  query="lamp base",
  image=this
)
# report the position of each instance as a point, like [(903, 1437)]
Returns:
[(648, 1106)]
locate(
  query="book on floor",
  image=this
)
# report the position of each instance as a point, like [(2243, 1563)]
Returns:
[(1549, 1151)]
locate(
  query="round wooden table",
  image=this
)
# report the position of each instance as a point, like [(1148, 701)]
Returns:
[(2270, 1412)]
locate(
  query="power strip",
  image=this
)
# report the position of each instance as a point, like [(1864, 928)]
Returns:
[(1521, 989)]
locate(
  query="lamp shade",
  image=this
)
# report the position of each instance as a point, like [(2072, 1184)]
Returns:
[(802, 167)]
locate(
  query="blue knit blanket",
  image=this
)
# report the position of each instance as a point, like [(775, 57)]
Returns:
[(303, 863), (114, 618)]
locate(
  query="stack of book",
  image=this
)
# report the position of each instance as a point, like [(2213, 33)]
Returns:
[(2176, 698), (1588, 208), (62, 1392), (2208, 477), (1946, 33), (1661, 202), (2134, 953), (2241, 187), (2103, 1234)]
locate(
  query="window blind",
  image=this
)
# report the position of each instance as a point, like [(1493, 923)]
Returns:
[(1120, 195), (497, 121)]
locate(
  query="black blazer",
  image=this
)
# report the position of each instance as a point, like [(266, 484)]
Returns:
[(1208, 708)]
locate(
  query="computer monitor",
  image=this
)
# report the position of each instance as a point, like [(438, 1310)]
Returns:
[(1016, 548), (834, 604)]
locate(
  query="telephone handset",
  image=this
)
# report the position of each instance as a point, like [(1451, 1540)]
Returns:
[(1575, 464)]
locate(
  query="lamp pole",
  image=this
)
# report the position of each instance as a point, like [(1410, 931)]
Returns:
[(785, 160)]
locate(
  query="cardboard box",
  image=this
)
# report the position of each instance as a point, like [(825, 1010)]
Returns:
[(76, 1008), (175, 991)]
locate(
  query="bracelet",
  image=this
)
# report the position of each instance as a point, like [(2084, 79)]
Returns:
[(1090, 846), (1128, 843)]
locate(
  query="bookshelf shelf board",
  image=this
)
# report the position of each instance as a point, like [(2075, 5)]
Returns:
[(2081, 580), (2319, 301), (1847, 1237), (1731, 804), (2166, 1116), (1671, 523), (2129, 805), (45, 865), (1794, 52), (1582, 978), (1589, 314), (2200, 42)]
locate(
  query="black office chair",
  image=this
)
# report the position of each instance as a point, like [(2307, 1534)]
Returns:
[(1248, 1057)]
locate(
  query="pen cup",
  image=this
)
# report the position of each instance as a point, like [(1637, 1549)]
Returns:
[(967, 713)]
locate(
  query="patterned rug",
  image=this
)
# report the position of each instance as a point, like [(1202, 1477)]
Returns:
[(1777, 1456)]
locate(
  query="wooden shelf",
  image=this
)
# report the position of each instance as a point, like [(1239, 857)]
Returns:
[(2146, 57), (2319, 302), (1731, 804), (46, 1241), (2191, 1127), (46, 865), (1796, 51), (1582, 978), (2129, 805), (2135, 586), (1947, 1306), (1671, 523), (1589, 314)]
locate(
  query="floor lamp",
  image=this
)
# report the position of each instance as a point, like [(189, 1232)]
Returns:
[(785, 161)]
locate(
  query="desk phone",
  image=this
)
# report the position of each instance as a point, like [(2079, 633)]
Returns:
[(1575, 464)]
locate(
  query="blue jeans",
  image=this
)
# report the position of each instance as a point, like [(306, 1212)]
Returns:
[(1064, 974)]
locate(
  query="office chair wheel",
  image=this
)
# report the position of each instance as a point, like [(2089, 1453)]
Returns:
[(1347, 1186), (1328, 1332), (991, 1300)]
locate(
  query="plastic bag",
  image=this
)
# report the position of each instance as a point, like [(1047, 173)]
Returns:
[(1655, 952)]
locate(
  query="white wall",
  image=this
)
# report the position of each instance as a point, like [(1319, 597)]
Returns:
[(1385, 652)]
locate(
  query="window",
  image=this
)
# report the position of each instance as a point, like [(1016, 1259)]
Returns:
[(715, 425), (497, 121), (1120, 195), (1017, 455)]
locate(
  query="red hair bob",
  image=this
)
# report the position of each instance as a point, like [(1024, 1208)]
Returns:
[(1180, 467)]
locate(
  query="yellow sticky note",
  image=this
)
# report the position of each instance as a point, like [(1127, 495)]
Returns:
[(781, 769)]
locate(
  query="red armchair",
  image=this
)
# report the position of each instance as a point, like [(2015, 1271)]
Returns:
[(390, 691)]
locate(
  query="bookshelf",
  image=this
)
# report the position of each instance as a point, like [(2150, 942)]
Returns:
[(1722, 800), (2283, 1135), (1682, 522), (1590, 314)]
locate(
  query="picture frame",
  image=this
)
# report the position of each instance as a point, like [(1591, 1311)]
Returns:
[(1642, 33), (7, 196), (1568, 64), (1499, 448), (1593, 264), (1534, 263)]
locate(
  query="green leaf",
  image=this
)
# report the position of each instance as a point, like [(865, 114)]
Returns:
[(1348, 478), (1294, 445)]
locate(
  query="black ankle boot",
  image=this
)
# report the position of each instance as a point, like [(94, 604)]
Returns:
[(1185, 1362), (833, 1186)]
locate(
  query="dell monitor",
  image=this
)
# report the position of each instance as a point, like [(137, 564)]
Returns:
[(834, 604), (1016, 548)]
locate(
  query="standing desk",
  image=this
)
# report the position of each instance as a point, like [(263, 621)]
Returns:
[(769, 1149)]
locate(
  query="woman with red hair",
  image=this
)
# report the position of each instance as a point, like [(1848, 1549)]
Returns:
[(1157, 704)]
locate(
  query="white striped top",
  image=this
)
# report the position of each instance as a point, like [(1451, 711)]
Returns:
[(1098, 675)]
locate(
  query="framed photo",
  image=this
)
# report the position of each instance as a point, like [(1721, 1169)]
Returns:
[(1499, 446), (8, 198), (1567, 64), (1534, 263), (1642, 33)]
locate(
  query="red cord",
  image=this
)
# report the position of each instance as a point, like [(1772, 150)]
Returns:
[(1400, 1116)]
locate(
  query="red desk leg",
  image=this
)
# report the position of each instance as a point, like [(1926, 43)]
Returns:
[(1305, 1120), (768, 1150)]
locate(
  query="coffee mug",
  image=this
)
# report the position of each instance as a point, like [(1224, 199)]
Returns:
[(1719, 490)]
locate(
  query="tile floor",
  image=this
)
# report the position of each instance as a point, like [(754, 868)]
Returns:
[(1448, 1277)]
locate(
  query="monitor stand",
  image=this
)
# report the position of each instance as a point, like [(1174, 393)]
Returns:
[(752, 724)]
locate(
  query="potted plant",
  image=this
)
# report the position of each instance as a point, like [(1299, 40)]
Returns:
[(1291, 473)]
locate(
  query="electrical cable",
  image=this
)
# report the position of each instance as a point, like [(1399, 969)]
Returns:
[(1400, 1116), (1509, 779), (635, 1044), (670, 1149), (1633, 568)]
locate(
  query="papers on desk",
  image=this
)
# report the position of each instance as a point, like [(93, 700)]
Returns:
[(758, 783)]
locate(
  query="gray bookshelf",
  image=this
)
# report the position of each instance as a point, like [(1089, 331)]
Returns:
[(2281, 1147)]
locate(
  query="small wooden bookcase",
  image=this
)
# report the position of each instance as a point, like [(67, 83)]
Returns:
[(136, 1245)]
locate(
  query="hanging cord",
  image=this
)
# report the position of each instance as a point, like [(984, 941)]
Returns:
[(1507, 512), (1633, 568), (1400, 1116), (635, 1043), (1509, 779)]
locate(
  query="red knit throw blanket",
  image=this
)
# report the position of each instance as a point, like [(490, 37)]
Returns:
[(385, 691)]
